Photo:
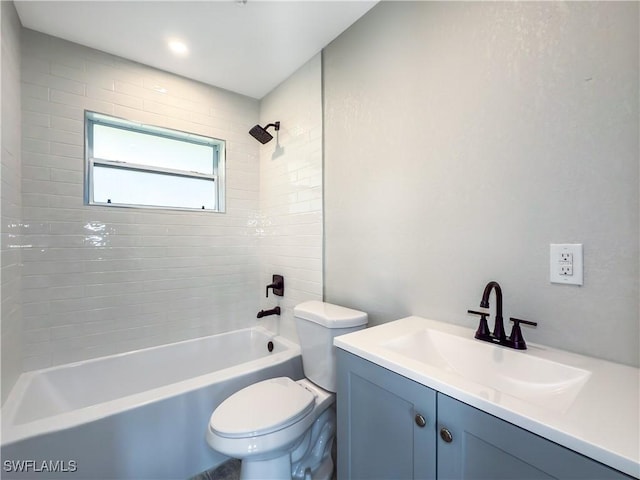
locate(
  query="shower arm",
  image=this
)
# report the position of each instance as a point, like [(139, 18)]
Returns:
[(276, 125)]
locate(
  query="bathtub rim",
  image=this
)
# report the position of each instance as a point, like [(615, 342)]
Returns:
[(11, 433)]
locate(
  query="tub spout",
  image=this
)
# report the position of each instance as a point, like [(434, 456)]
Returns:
[(266, 313)]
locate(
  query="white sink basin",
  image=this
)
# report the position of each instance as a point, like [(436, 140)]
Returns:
[(532, 379)]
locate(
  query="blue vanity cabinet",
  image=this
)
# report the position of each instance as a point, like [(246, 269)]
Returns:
[(379, 435), (481, 446), (386, 423)]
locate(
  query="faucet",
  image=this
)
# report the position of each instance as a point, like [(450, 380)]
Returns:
[(498, 326), (515, 340), (266, 313)]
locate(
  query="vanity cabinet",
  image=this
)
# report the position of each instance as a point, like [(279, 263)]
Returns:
[(381, 435), (385, 423), (484, 446)]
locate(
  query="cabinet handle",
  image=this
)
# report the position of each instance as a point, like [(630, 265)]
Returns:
[(420, 420), (445, 434)]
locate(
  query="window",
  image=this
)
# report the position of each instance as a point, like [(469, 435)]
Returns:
[(133, 165)]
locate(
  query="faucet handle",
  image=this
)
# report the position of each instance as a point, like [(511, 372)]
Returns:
[(277, 285), (483, 332), (516, 340), (516, 321)]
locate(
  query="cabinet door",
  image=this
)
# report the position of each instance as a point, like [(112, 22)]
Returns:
[(380, 431), (485, 447)]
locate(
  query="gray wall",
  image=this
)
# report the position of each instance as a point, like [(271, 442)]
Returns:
[(461, 139), (10, 198)]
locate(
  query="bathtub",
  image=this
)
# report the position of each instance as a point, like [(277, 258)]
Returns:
[(138, 415)]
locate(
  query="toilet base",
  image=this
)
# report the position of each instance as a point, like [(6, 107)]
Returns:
[(310, 458), (273, 469), (280, 468)]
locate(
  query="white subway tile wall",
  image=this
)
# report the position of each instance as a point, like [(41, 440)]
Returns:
[(11, 200), (102, 280), (291, 194)]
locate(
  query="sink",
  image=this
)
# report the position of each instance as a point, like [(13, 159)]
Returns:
[(538, 381)]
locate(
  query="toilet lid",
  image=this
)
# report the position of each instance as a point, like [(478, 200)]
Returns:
[(262, 408)]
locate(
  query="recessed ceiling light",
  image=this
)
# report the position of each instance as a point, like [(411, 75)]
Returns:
[(178, 47)]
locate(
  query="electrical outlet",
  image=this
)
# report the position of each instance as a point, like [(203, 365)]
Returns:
[(565, 263), (566, 257), (566, 269)]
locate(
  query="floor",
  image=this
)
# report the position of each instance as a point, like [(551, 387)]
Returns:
[(229, 470)]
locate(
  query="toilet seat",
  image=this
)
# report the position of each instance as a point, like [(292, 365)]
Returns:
[(262, 408)]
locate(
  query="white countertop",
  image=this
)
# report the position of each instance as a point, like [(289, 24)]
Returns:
[(603, 422)]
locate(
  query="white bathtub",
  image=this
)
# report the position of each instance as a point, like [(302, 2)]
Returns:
[(139, 415)]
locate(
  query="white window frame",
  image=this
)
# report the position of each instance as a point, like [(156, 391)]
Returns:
[(218, 160)]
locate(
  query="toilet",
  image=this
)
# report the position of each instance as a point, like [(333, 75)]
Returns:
[(281, 428)]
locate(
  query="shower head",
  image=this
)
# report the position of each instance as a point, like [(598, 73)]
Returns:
[(261, 134)]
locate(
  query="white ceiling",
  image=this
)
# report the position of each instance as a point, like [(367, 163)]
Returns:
[(248, 48)]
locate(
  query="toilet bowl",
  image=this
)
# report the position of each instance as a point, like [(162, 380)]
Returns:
[(281, 428), (265, 423)]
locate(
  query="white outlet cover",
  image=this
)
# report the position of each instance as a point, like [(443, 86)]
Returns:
[(555, 261)]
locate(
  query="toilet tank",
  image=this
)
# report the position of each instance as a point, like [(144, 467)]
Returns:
[(318, 323)]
